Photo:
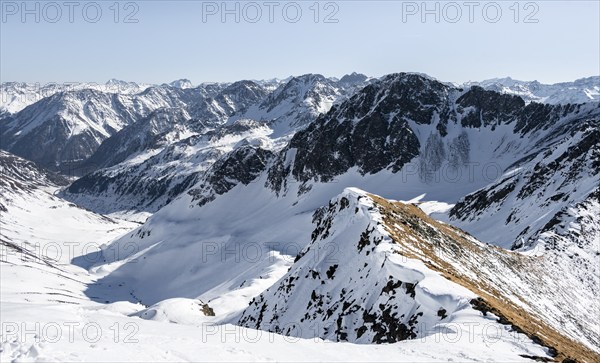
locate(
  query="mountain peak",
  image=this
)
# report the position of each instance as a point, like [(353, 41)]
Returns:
[(119, 82), (353, 78), (182, 83)]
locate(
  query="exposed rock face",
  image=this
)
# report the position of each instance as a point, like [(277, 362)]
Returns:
[(379, 128), (242, 166), (345, 286), (488, 107), (161, 177), (353, 78), (371, 131)]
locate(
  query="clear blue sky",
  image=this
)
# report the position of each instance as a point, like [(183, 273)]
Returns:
[(177, 39)]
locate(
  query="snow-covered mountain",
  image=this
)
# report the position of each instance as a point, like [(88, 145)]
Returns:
[(15, 96), (410, 135), (407, 134), (152, 178), (272, 230), (182, 83), (166, 126), (371, 270), (160, 128), (579, 91), (21, 175), (424, 131), (65, 127), (554, 175), (260, 125), (380, 272), (395, 137), (68, 127), (299, 101)]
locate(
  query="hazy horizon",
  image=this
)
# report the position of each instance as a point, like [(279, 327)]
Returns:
[(152, 42), (194, 83)]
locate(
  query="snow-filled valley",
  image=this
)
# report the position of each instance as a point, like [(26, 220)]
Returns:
[(309, 219), (57, 307)]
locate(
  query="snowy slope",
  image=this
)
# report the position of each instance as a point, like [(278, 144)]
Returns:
[(47, 246), (300, 100), (41, 234), (156, 341), (555, 174), (369, 275), (49, 294), (232, 248), (153, 177)]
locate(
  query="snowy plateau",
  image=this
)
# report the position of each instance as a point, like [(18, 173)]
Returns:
[(312, 218)]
